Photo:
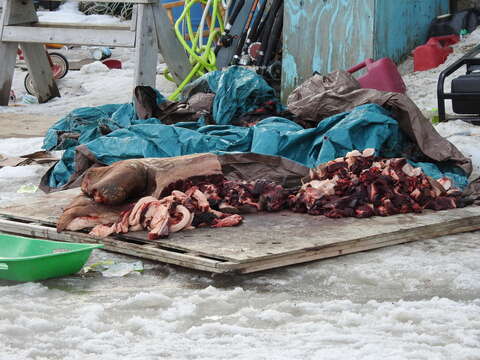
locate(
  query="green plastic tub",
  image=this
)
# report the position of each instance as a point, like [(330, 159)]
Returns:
[(27, 259)]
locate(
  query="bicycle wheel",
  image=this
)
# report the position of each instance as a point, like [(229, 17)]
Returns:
[(28, 83), (59, 65)]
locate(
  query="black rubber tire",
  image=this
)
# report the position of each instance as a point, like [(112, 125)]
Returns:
[(58, 58), (28, 83)]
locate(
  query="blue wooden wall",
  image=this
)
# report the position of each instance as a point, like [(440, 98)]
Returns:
[(320, 35), (325, 35), (402, 25)]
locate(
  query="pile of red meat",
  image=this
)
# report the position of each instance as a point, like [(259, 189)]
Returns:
[(362, 185), (357, 185), (197, 202)]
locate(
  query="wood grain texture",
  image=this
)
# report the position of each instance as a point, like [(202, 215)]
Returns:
[(264, 241), (40, 71), (400, 26), (330, 35), (146, 49), (169, 46), (69, 36), (323, 36)]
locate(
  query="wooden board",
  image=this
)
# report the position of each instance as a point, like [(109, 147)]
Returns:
[(264, 241), (325, 36), (69, 36)]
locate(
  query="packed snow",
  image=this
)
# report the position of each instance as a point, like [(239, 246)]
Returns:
[(414, 301), (69, 13), (422, 85)]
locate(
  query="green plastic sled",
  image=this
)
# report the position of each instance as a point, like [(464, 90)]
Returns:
[(26, 259)]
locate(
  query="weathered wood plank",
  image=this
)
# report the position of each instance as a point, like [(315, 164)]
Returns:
[(8, 55), (345, 249), (13, 13), (169, 46), (265, 236), (18, 12), (324, 36), (146, 48), (265, 240), (96, 26), (111, 244), (40, 71), (69, 36)]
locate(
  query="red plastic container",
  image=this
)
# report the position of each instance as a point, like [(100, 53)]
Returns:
[(434, 53), (381, 75), (113, 64)]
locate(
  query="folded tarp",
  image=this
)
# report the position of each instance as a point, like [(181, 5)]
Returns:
[(339, 115), (323, 96), (367, 126)]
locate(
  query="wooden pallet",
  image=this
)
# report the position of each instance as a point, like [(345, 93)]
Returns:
[(264, 241)]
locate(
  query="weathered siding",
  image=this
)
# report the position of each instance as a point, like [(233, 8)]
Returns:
[(323, 35), (402, 25)]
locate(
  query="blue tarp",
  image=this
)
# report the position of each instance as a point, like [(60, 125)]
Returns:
[(367, 126)]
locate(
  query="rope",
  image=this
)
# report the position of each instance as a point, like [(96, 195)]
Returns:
[(202, 57), (121, 10)]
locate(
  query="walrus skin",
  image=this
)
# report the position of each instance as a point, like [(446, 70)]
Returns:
[(131, 179)]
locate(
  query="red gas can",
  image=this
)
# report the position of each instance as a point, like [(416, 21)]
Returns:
[(381, 75), (434, 53)]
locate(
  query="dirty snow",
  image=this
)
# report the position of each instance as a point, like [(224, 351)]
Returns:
[(69, 13), (413, 301), (466, 137), (94, 85), (422, 85)]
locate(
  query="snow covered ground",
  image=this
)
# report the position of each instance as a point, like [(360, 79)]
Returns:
[(422, 85), (413, 301)]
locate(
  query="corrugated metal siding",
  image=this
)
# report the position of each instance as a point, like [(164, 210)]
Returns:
[(402, 25), (324, 35)]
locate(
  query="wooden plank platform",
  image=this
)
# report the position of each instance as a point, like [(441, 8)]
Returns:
[(264, 241)]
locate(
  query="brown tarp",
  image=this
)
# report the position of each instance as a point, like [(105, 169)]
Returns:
[(151, 173), (322, 96)]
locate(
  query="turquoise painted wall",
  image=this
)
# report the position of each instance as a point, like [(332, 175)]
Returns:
[(402, 25), (325, 35)]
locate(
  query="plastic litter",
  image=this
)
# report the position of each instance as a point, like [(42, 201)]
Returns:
[(27, 189), (29, 99), (122, 269), (101, 53), (381, 75)]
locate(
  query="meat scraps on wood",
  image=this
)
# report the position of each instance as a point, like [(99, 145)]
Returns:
[(362, 185), (357, 185)]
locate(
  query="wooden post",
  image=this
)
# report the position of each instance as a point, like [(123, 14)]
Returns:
[(146, 48), (8, 56), (168, 44), (15, 13), (40, 71)]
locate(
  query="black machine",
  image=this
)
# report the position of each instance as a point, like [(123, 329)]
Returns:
[(465, 90)]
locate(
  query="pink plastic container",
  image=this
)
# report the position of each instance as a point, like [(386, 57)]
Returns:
[(381, 75)]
